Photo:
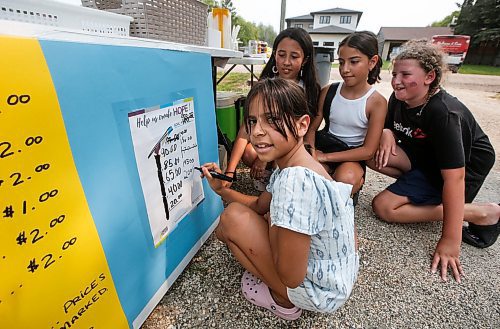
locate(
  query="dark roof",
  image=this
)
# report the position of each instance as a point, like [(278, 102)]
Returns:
[(408, 33), (331, 29), (337, 11), (301, 18)]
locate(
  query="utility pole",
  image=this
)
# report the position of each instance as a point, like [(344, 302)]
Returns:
[(282, 17)]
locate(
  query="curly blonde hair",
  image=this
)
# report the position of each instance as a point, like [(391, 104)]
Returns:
[(429, 56)]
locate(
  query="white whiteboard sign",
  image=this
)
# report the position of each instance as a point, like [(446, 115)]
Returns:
[(166, 152)]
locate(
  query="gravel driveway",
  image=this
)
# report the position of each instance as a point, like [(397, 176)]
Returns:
[(394, 288)]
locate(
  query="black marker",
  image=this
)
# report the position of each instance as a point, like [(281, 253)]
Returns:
[(217, 175)]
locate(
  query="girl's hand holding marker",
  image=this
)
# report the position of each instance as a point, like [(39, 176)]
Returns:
[(216, 174), (216, 179)]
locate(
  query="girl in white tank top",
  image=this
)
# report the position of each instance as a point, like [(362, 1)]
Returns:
[(348, 120), (357, 112)]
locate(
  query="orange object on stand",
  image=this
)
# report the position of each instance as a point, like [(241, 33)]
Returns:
[(222, 18)]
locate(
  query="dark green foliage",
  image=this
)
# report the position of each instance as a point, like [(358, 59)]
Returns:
[(481, 20)]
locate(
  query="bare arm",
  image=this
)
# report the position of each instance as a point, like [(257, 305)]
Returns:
[(376, 110), (448, 248), (239, 146), (386, 149), (259, 203), (291, 256), (309, 138)]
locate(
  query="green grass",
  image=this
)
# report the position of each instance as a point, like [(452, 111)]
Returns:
[(479, 69), (385, 65), (234, 82)]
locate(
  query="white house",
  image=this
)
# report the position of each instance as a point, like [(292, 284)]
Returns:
[(327, 27)]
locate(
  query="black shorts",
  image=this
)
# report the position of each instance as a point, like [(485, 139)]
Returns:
[(420, 191), (415, 185)]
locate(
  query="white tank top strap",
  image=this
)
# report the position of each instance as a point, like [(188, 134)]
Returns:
[(370, 92)]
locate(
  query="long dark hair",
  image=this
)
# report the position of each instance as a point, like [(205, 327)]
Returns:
[(283, 99), (366, 42), (309, 78)]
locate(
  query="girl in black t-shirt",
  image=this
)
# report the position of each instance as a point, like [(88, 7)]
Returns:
[(440, 156)]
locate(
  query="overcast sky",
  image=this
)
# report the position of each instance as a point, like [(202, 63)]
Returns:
[(376, 13)]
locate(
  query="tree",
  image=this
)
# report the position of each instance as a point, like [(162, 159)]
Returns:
[(266, 33), (481, 20), (248, 31), (447, 20)]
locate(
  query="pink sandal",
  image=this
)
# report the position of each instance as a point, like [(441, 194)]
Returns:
[(257, 293)]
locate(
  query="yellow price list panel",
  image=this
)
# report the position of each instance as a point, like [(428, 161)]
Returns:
[(53, 270)]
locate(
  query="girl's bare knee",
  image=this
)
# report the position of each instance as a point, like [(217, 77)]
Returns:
[(346, 176), (224, 225), (382, 209), (219, 232), (228, 222)]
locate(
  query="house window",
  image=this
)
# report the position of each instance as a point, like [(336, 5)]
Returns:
[(315, 43), (299, 25), (345, 19), (324, 19), (328, 44)]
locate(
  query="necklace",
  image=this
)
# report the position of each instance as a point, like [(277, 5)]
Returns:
[(428, 98), (423, 106)]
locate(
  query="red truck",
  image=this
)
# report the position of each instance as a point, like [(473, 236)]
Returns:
[(455, 46)]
